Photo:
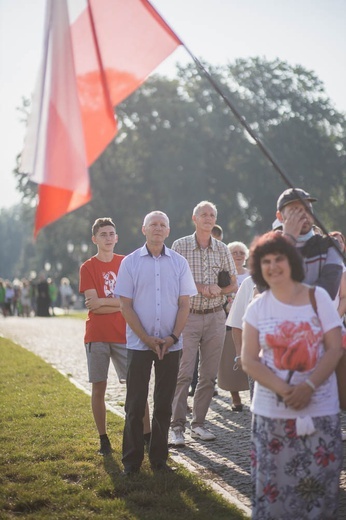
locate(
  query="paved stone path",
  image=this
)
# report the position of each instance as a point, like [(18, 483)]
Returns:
[(223, 463)]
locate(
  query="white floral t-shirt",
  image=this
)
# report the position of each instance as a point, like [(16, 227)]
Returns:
[(291, 341)]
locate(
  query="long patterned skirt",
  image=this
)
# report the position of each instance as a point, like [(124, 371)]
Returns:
[(295, 477)]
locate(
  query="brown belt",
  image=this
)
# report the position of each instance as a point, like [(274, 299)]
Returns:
[(206, 311)]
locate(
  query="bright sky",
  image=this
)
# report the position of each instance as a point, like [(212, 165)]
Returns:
[(306, 32)]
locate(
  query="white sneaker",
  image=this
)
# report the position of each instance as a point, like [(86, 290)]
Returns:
[(202, 433), (177, 436)]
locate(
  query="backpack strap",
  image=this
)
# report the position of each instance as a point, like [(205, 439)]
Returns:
[(313, 299)]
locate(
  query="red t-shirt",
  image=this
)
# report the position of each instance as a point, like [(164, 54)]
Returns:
[(94, 274)]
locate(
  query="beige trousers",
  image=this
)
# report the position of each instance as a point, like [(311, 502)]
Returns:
[(205, 332)]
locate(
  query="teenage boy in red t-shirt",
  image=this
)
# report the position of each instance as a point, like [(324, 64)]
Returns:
[(105, 336)]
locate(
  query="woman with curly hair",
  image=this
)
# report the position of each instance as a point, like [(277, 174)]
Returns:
[(292, 345)]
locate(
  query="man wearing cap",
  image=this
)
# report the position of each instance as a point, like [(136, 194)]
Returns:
[(205, 329), (323, 264)]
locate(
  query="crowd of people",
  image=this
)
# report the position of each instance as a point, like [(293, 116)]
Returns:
[(267, 318), (35, 297)]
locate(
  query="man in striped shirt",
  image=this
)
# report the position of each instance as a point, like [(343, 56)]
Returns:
[(322, 263), (205, 328)]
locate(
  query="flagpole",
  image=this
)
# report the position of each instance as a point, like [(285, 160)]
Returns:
[(254, 136), (261, 146)]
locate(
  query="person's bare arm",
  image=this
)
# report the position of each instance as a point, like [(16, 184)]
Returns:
[(237, 335), (213, 290), (252, 365), (180, 322), (209, 291), (132, 319), (299, 396), (342, 295), (100, 305)]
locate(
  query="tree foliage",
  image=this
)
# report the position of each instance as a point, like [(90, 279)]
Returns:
[(178, 143)]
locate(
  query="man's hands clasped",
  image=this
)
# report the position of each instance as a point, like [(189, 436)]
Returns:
[(159, 345)]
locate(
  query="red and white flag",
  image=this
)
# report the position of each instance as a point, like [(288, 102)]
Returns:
[(96, 53)]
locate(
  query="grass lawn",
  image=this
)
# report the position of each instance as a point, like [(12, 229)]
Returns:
[(80, 315), (49, 466)]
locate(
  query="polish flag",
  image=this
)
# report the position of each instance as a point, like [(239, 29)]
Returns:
[(96, 53)]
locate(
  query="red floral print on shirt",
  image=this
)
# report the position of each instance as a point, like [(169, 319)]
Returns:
[(295, 346)]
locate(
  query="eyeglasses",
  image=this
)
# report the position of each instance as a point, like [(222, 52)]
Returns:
[(241, 253)]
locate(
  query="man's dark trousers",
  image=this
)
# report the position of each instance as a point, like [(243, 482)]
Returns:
[(139, 364)]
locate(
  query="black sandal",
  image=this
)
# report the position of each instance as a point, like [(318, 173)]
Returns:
[(237, 407)]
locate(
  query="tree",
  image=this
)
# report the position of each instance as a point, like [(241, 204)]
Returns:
[(292, 114), (178, 144), (12, 237)]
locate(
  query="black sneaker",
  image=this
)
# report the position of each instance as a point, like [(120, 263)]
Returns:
[(147, 437), (105, 446), (192, 390), (129, 471), (162, 467)]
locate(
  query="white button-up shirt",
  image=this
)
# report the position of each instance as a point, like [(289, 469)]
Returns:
[(155, 285)]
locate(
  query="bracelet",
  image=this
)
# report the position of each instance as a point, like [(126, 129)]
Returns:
[(310, 384), (291, 236), (175, 339), (236, 358)]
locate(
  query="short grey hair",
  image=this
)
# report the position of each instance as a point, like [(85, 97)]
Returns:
[(202, 204), (241, 245), (153, 213)]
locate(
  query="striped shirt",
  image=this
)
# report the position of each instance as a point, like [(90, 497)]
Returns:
[(322, 264), (205, 265)]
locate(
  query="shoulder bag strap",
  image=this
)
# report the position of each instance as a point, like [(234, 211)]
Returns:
[(313, 299)]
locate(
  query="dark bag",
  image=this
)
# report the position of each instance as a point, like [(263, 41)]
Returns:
[(341, 379), (223, 279), (340, 370)]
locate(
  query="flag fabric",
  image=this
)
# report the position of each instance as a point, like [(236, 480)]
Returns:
[(95, 55)]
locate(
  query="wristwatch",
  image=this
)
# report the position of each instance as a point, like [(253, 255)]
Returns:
[(175, 339)]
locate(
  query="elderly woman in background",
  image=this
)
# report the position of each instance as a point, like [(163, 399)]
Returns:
[(244, 296), (230, 376), (291, 351)]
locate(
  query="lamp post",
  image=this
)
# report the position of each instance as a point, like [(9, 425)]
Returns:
[(47, 267), (84, 248), (78, 253), (32, 275), (70, 247)]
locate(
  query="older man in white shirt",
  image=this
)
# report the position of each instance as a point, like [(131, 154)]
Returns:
[(154, 285)]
